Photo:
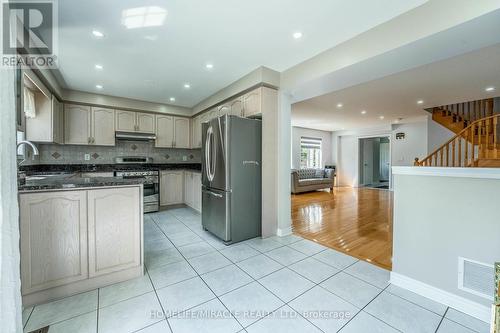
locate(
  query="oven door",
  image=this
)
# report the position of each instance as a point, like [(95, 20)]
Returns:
[(151, 193)]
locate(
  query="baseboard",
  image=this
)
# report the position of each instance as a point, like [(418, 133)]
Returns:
[(459, 303), (284, 232)]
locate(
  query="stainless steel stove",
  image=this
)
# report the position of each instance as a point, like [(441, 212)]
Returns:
[(149, 177)]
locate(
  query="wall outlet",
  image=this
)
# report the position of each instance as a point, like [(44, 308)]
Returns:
[(184, 158), (87, 157)]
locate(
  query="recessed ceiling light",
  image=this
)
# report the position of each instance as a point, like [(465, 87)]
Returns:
[(489, 89), (340, 105), (97, 34), (381, 117), (98, 67), (99, 86), (420, 102), (172, 99), (187, 85), (297, 35), (363, 112), (209, 66), (141, 17)]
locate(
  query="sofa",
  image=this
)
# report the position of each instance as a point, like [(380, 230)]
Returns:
[(306, 180)]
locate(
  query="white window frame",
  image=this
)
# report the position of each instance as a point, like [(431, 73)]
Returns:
[(312, 144)]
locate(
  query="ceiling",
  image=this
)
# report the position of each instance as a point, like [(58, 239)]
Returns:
[(459, 79), (153, 63)]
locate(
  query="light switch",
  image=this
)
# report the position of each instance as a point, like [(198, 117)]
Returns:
[(184, 158), (87, 157)]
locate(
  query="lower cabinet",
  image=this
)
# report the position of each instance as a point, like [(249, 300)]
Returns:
[(192, 190), (171, 187), (71, 239)]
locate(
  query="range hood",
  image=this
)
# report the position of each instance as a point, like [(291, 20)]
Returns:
[(132, 136)]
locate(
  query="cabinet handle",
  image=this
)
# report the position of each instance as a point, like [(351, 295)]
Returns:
[(93, 140), (88, 139)]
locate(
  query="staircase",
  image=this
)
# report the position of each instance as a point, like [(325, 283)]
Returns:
[(476, 141)]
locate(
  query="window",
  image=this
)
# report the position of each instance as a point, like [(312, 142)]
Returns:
[(310, 153)]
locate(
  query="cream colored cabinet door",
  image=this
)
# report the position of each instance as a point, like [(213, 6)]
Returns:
[(126, 121), (145, 123), (188, 189), (115, 229), (171, 187), (212, 114), (58, 120), (236, 107), (164, 131), (103, 127), (252, 103), (196, 185), (53, 229), (181, 132), (77, 124), (224, 109)]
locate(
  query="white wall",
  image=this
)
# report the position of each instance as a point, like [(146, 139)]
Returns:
[(326, 144), (431, 208), (413, 145), (437, 135)]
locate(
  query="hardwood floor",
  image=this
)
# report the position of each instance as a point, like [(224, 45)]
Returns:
[(356, 221)]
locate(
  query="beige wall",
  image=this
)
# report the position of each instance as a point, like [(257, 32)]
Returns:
[(326, 144)]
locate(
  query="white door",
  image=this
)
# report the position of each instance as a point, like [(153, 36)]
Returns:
[(171, 187), (164, 131), (145, 122), (125, 121), (385, 161), (77, 124), (181, 130), (367, 161), (103, 127), (53, 228), (114, 230)]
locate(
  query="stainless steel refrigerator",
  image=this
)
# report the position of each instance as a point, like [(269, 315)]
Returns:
[(231, 178)]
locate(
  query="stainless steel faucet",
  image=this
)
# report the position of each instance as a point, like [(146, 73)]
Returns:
[(33, 147)]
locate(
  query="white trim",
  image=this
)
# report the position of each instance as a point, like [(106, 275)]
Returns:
[(459, 303), (484, 173), (284, 232)]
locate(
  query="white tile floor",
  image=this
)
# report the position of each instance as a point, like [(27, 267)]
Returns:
[(194, 283)]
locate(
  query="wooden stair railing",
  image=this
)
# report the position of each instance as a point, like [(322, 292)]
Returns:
[(468, 111), (477, 141)]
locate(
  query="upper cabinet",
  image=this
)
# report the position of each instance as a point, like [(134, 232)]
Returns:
[(130, 121), (103, 127), (252, 103), (89, 126), (224, 109), (172, 132), (236, 107), (77, 124), (125, 121)]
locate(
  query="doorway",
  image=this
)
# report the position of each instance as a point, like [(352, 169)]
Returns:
[(375, 162)]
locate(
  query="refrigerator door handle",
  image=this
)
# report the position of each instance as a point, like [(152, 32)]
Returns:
[(208, 154), (217, 195)]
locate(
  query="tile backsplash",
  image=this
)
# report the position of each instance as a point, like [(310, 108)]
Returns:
[(68, 154)]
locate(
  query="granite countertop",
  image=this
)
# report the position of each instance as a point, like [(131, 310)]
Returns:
[(52, 168), (62, 182)]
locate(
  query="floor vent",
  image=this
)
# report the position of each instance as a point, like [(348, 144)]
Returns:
[(476, 278), (41, 330)]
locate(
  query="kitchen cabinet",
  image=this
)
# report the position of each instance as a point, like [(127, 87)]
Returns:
[(171, 187), (114, 230), (192, 190), (78, 240), (252, 103), (172, 132), (53, 228), (196, 132), (77, 124), (89, 126), (212, 114), (236, 107), (58, 121), (131, 121), (224, 109), (103, 127)]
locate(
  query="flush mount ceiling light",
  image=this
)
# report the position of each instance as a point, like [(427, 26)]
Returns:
[(363, 112), (97, 34), (297, 35), (209, 66), (381, 117), (187, 85), (490, 89), (99, 86), (340, 105), (172, 99), (142, 17), (420, 102), (98, 67)]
